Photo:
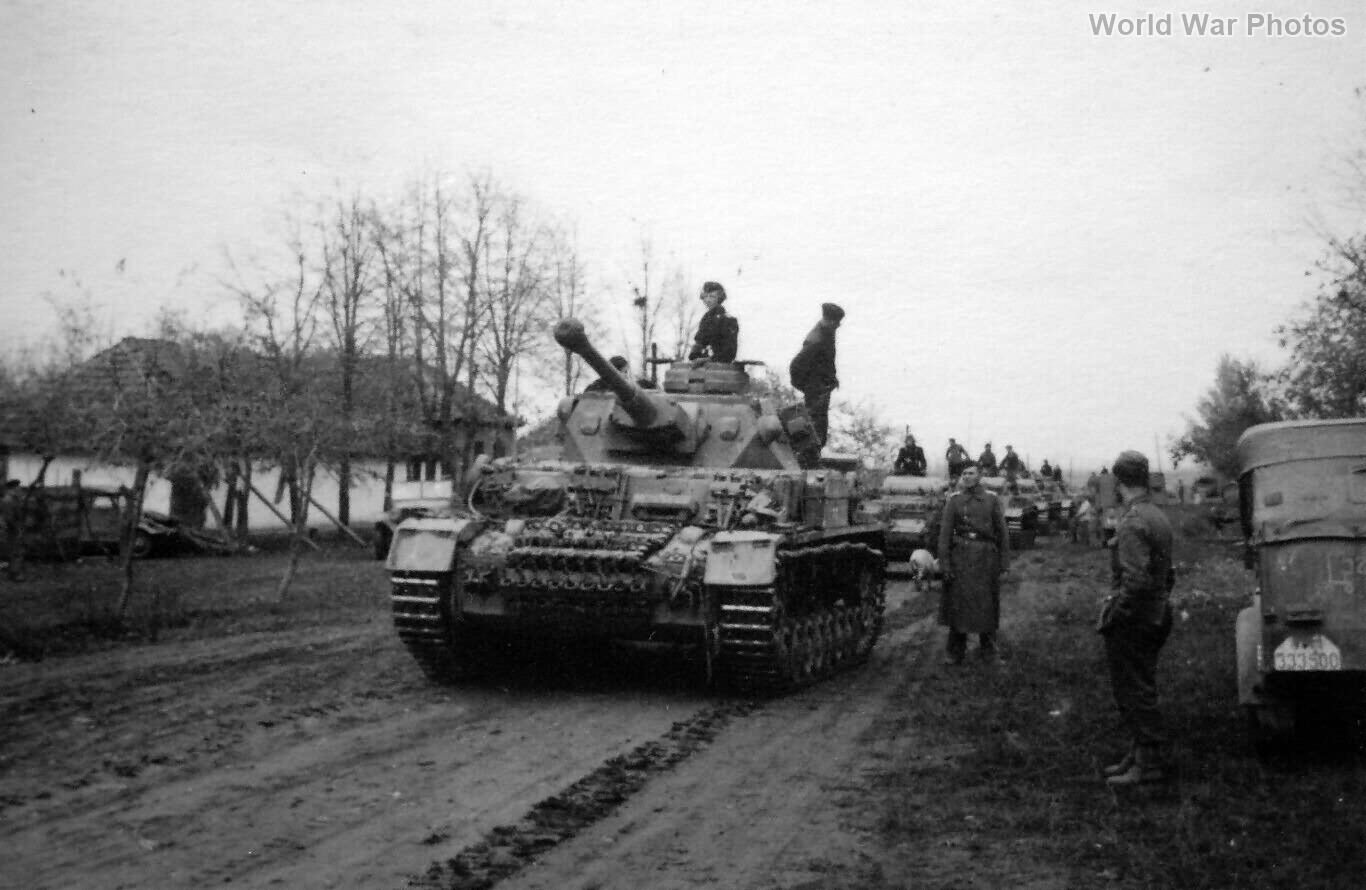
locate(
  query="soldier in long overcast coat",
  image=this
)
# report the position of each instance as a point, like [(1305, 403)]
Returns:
[(974, 551)]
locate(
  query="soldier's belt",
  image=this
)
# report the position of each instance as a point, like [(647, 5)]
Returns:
[(974, 536)]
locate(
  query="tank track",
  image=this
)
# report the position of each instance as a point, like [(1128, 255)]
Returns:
[(822, 614), (423, 622)]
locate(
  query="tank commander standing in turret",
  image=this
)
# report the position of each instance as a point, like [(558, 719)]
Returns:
[(910, 460), (813, 369), (1136, 620), (718, 334), (986, 462), (974, 552)]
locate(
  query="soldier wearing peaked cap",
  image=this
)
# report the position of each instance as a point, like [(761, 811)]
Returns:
[(974, 551), (812, 370), (1136, 620)]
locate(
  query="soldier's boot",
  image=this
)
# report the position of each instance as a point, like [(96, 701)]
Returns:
[(1148, 766)]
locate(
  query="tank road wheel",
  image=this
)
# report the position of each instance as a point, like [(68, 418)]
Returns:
[(810, 661), (868, 590), (844, 635), (787, 654), (825, 636), (711, 653)]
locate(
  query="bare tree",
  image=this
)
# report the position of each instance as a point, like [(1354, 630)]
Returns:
[(518, 306), (648, 296), (432, 251), (348, 285), (398, 365), (569, 296), (295, 419), (858, 428)]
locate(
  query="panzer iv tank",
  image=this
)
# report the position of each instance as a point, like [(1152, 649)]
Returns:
[(684, 516)]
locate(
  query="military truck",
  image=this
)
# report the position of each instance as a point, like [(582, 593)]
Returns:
[(1301, 643)]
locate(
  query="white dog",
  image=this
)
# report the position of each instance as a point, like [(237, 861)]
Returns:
[(924, 568)]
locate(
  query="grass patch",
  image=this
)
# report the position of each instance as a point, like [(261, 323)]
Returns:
[(1008, 758), (69, 608)]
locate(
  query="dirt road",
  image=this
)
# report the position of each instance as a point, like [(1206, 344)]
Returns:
[(323, 759)]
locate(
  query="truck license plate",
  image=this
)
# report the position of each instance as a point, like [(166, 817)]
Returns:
[(1317, 653)]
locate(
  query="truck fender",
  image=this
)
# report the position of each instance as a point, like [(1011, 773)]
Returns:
[(1248, 634)]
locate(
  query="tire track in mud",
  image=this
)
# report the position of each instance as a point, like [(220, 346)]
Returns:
[(506, 849)]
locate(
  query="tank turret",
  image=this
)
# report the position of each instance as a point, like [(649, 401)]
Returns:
[(705, 417), (649, 412)]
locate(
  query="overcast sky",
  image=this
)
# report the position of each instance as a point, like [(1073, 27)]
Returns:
[(1041, 236)]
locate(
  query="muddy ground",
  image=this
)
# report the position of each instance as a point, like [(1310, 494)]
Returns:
[(317, 756)]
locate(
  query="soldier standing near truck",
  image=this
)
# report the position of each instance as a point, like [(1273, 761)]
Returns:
[(1136, 620)]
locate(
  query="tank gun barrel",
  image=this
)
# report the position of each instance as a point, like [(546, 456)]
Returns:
[(570, 334)]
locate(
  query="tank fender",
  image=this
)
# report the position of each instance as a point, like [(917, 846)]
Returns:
[(1248, 635), (428, 544), (743, 558)]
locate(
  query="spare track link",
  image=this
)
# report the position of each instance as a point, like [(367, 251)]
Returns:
[(822, 614), (422, 619)]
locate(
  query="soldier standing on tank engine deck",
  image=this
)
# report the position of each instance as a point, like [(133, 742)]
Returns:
[(910, 460), (957, 457), (1011, 464), (1136, 620), (812, 370), (986, 461), (974, 552), (717, 333)]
